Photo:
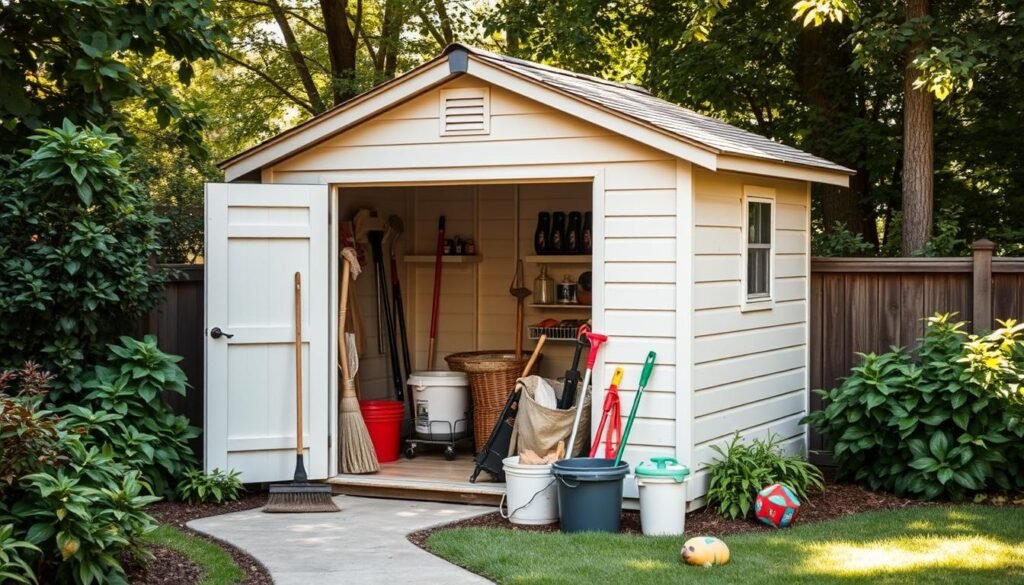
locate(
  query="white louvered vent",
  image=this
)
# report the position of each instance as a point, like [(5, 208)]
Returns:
[(465, 111)]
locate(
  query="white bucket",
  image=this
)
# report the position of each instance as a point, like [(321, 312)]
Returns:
[(441, 400), (662, 506), (530, 492)]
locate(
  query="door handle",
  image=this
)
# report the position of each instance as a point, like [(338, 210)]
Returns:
[(216, 333)]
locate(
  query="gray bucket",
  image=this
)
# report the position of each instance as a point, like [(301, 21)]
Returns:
[(589, 493)]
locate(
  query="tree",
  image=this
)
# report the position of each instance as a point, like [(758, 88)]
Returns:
[(81, 59)]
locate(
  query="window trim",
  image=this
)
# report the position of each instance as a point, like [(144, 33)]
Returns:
[(756, 194)]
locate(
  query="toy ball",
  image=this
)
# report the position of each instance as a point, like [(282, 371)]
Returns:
[(776, 505), (705, 551)]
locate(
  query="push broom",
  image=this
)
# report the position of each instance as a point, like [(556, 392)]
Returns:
[(299, 495), (357, 453)]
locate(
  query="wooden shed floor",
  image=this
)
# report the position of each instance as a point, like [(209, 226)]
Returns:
[(427, 477)]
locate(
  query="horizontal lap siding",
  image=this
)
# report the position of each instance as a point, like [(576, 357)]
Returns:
[(750, 368), (640, 301)]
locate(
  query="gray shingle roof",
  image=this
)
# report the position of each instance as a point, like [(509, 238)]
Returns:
[(636, 103)]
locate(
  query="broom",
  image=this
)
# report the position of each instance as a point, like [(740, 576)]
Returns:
[(299, 495), (357, 453)]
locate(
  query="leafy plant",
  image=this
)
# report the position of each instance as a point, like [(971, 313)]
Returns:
[(74, 253), (13, 567), (122, 406), (742, 469), (72, 509), (839, 242), (942, 421), (216, 487)]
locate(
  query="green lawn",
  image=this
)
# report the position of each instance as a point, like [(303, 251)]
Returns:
[(962, 545), (217, 565)]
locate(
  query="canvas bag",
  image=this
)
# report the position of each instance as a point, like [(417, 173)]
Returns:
[(539, 428)]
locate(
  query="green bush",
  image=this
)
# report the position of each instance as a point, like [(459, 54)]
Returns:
[(77, 506), (942, 421), (217, 487), (742, 469), (75, 253), (121, 406), (14, 568)]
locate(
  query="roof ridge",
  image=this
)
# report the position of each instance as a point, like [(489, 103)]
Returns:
[(549, 68)]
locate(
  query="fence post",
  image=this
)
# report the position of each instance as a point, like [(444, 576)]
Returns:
[(981, 251)]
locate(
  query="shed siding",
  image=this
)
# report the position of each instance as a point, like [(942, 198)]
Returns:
[(749, 368), (639, 230)]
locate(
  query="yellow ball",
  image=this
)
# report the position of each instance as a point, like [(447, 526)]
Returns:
[(705, 551)]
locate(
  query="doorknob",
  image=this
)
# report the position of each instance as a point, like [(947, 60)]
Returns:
[(216, 333)]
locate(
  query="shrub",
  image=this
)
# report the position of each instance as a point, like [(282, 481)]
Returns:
[(838, 241), (75, 252), (13, 567), (942, 421), (122, 406), (742, 469), (217, 487), (77, 507)]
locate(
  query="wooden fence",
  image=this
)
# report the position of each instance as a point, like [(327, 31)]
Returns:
[(178, 325), (870, 304), (857, 305)]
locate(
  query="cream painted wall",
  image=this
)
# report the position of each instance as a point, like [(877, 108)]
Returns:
[(749, 367)]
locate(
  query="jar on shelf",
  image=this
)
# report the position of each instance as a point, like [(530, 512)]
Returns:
[(574, 233), (542, 236), (567, 291), (557, 233), (587, 239), (544, 288)]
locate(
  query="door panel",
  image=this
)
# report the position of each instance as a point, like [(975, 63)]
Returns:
[(257, 237)]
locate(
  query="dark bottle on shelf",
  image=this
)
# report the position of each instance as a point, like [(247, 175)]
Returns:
[(574, 233), (542, 237), (587, 239), (557, 233)]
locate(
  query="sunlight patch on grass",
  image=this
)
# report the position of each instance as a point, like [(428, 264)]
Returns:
[(846, 558), (647, 565)]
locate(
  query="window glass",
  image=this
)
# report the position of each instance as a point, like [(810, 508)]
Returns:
[(759, 249)]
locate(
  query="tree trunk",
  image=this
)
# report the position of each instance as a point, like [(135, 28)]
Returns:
[(298, 59), (390, 38), (918, 155), (341, 48), (446, 22)]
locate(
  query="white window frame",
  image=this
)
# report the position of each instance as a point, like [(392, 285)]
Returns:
[(756, 194)]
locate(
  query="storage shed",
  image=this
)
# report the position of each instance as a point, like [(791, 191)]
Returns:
[(701, 241)]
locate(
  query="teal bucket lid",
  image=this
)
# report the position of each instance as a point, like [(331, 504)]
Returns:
[(662, 467)]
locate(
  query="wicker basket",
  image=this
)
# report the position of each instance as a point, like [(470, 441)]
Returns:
[(492, 377)]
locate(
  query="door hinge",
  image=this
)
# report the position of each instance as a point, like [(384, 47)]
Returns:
[(329, 443)]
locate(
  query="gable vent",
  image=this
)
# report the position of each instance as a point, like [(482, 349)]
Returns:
[(465, 111)]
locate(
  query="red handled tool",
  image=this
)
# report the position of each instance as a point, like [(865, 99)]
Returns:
[(613, 412), (596, 339)]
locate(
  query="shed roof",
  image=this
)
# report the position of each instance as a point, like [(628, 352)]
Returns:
[(628, 101)]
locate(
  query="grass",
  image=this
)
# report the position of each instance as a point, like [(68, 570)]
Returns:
[(963, 545), (217, 565)]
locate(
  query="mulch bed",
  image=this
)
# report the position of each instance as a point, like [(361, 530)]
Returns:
[(840, 499), (170, 567)]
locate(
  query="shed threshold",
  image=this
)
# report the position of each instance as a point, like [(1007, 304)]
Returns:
[(425, 478)]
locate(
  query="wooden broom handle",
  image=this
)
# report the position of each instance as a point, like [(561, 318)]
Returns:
[(534, 356), (346, 270), (298, 363)]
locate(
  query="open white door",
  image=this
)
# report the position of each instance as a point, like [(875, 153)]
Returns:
[(257, 237)]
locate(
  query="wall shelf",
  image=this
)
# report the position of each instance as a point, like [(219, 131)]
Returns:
[(559, 259), (572, 307), (450, 259)]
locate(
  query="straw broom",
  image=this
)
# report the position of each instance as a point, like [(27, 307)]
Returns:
[(357, 454)]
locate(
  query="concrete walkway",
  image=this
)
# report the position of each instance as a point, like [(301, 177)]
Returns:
[(365, 543)]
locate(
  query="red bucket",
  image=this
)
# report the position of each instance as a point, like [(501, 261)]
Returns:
[(384, 421)]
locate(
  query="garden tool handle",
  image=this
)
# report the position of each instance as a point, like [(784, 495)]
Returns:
[(616, 378), (298, 363), (534, 356), (645, 375), (596, 339)]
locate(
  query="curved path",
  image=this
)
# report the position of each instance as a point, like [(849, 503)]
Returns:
[(364, 543)]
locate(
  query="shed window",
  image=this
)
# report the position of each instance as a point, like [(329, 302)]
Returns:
[(759, 244)]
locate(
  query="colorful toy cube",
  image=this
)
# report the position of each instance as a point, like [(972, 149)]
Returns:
[(776, 505)]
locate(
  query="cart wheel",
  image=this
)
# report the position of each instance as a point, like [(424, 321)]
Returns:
[(449, 453), (410, 452)]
